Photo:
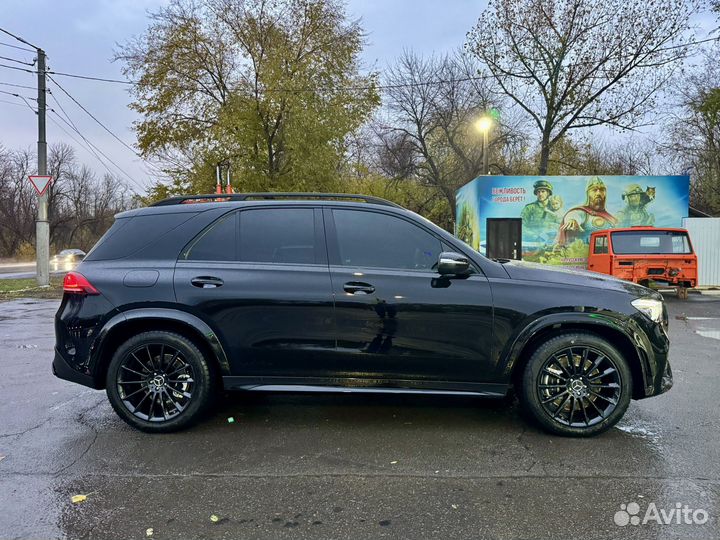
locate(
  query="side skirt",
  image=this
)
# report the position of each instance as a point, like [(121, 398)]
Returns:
[(361, 385)]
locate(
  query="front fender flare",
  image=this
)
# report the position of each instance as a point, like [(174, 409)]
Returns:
[(510, 354)]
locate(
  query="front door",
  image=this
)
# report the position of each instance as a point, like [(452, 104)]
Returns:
[(259, 278), (397, 318), (504, 238)]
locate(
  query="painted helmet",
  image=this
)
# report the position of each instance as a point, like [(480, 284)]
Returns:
[(542, 184), (632, 189)]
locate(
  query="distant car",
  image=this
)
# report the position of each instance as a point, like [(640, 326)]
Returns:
[(646, 254), (67, 259)]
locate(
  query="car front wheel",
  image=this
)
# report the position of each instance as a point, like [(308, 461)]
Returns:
[(576, 384), (159, 382)]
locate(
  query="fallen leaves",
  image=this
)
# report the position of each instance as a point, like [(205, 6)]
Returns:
[(77, 499)]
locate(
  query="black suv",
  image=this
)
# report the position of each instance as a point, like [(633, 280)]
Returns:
[(318, 292)]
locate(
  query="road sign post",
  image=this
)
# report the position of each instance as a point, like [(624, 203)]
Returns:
[(42, 225)]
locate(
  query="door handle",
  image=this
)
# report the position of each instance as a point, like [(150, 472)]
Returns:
[(358, 287), (206, 282)]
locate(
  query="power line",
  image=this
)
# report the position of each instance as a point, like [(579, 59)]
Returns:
[(17, 85), (89, 78), (13, 103), (102, 125), (91, 147), (18, 61), (21, 40), (16, 95), (16, 47), (18, 68), (94, 118)]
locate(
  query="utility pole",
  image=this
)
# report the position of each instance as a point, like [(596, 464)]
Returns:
[(42, 225)]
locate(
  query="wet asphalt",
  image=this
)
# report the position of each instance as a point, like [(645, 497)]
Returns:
[(351, 466)]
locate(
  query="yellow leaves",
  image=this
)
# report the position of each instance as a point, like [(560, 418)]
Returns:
[(77, 499)]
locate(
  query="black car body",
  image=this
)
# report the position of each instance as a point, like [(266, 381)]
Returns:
[(317, 294)]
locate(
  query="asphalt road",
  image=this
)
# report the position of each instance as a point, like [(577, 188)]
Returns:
[(352, 466)]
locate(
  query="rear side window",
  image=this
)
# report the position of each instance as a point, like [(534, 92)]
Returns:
[(278, 235), (376, 240), (216, 243), (128, 235)]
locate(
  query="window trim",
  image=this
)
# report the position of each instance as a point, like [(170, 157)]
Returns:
[(333, 246)]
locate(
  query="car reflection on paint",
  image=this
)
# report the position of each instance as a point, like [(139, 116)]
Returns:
[(66, 260)]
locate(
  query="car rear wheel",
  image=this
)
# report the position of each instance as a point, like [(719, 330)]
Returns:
[(576, 384), (159, 382)]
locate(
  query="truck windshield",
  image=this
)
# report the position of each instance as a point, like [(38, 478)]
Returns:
[(650, 243)]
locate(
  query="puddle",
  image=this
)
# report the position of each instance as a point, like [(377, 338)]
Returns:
[(640, 431), (713, 334)]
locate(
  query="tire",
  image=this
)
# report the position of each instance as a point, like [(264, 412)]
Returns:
[(552, 396), (167, 369)]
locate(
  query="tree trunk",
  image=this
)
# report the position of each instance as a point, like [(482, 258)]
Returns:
[(544, 153)]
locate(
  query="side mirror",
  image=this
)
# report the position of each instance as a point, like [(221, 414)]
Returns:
[(451, 263)]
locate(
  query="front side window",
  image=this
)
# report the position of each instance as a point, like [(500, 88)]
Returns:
[(278, 235), (600, 245), (371, 239)]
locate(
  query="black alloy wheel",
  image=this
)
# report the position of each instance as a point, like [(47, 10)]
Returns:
[(579, 386), (155, 382), (576, 384), (159, 381)]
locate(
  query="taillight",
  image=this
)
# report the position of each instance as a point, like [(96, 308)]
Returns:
[(76, 283)]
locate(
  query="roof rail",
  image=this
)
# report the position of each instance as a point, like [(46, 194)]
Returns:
[(189, 199)]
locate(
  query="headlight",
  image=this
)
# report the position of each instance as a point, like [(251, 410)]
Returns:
[(652, 309)]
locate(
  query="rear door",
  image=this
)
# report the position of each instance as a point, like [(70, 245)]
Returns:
[(396, 317), (259, 277)]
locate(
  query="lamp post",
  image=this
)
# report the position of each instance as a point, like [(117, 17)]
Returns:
[(483, 125)]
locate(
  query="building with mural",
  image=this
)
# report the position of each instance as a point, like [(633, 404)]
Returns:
[(549, 219)]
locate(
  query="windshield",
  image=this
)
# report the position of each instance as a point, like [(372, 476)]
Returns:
[(651, 243)]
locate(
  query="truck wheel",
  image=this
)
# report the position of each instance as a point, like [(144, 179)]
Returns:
[(576, 384), (159, 382)]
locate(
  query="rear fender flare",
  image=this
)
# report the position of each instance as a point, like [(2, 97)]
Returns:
[(196, 325)]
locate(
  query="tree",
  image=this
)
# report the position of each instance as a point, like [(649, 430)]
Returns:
[(81, 207), (430, 134), (271, 86), (694, 135), (572, 64)]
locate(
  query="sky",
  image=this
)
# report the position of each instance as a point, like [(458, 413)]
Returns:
[(80, 37)]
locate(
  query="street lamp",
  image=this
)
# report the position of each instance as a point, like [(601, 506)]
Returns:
[(483, 125)]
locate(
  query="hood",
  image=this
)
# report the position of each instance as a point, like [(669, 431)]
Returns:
[(582, 278)]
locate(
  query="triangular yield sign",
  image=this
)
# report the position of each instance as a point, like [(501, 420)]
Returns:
[(40, 183)]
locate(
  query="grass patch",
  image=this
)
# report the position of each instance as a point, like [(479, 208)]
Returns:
[(10, 289)]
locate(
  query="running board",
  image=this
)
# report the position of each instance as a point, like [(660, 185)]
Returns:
[(363, 386)]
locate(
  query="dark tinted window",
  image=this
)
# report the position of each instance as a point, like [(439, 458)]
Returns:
[(378, 240), (128, 235), (278, 235), (217, 243), (650, 242)]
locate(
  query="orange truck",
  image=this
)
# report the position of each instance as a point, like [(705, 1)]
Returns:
[(644, 255)]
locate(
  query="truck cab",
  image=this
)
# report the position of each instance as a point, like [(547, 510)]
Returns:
[(645, 254)]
